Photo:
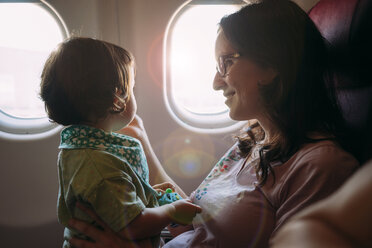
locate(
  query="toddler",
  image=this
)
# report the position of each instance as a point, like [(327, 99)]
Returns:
[(87, 86)]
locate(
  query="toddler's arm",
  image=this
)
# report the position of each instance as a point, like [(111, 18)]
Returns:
[(157, 173), (151, 221)]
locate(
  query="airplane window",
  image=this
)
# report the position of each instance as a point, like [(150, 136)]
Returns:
[(29, 32), (190, 68)]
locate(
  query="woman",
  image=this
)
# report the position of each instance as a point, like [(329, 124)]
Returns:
[(272, 69)]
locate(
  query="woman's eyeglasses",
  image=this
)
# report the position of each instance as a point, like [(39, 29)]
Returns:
[(221, 64)]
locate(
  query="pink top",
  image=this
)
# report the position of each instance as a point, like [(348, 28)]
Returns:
[(238, 213)]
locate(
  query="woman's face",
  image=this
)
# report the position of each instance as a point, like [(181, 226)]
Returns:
[(240, 84)]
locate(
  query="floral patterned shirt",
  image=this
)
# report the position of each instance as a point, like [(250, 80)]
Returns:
[(237, 212)]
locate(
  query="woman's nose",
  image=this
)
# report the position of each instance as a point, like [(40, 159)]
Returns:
[(218, 82)]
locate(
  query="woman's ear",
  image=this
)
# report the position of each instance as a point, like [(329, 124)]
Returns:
[(269, 75)]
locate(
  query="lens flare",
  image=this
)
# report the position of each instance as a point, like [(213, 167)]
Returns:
[(187, 155)]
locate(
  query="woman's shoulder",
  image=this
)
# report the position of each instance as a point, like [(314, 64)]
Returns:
[(325, 155), (314, 171), (324, 150)]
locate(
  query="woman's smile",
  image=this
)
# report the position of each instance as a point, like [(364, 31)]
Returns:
[(229, 95)]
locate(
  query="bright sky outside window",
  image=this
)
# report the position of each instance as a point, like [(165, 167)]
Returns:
[(28, 34), (190, 67), (192, 59)]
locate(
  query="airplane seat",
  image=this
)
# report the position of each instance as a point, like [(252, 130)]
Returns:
[(347, 26)]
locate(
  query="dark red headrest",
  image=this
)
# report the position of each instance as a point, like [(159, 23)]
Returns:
[(347, 26)]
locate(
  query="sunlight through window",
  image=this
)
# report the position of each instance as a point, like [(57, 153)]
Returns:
[(192, 59), (28, 34), (191, 67)]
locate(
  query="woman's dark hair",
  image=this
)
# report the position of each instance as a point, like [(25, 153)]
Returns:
[(278, 34), (81, 78)]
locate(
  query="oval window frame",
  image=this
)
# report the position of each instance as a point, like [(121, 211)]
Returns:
[(195, 122), (16, 128)]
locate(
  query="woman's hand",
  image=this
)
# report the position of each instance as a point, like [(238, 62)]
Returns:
[(105, 238)]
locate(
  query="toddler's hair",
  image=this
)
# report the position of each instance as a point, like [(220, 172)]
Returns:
[(80, 79)]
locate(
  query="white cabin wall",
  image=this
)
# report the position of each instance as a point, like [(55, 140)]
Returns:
[(80, 16)]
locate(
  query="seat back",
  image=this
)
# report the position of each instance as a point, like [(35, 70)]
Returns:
[(347, 26)]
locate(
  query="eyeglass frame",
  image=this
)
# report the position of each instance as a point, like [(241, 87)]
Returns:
[(221, 62)]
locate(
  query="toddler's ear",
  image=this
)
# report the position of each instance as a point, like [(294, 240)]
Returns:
[(119, 100), (119, 93), (118, 104)]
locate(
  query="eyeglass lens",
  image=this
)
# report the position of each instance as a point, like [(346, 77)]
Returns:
[(221, 66)]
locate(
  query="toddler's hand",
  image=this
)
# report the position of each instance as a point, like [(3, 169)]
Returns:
[(161, 187), (135, 129), (184, 211)]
